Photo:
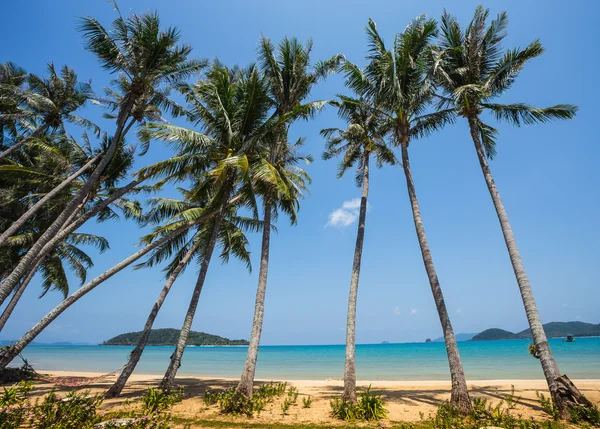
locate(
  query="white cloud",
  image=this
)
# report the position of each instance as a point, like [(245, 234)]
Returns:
[(345, 215), (565, 305), (413, 311), (396, 311)]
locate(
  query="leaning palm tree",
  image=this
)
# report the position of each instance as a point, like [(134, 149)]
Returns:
[(291, 77), (363, 138), (182, 249), (397, 79), (145, 57), (472, 70), (233, 109), (50, 102)]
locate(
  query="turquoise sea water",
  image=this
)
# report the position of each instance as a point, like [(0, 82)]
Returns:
[(413, 361)]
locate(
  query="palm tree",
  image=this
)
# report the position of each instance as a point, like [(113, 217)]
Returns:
[(145, 57), (50, 102), (472, 70), (362, 138), (397, 79), (232, 107), (182, 249), (12, 117), (291, 78)]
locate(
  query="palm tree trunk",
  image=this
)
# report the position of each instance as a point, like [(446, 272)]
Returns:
[(245, 386), (22, 268), (169, 378), (350, 366), (9, 353), (34, 209), (17, 296), (549, 366), (24, 140), (459, 398), (136, 354)]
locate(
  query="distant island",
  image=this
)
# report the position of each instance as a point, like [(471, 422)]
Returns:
[(459, 337), (552, 329), (168, 337)]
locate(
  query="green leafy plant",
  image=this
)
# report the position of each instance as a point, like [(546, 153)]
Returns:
[(76, 410), (156, 400), (307, 402), (211, 397), (232, 402), (548, 406), (369, 407), (15, 394), (587, 414)]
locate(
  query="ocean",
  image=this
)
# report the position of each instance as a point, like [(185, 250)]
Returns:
[(482, 360)]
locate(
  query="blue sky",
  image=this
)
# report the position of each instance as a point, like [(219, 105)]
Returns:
[(546, 174)]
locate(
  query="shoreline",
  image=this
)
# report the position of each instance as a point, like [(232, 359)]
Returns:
[(538, 382)]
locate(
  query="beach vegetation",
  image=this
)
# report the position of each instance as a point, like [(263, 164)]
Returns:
[(231, 401), (511, 399), (307, 402), (155, 400), (76, 409), (369, 407)]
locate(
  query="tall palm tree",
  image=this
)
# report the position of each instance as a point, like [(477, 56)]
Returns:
[(291, 77), (472, 70), (397, 79), (145, 57), (363, 138), (182, 249), (233, 109), (50, 102)]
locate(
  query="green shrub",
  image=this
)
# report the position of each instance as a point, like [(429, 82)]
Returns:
[(156, 400), (369, 407), (232, 402), (211, 397), (581, 414), (76, 410), (307, 402), (15, 394)]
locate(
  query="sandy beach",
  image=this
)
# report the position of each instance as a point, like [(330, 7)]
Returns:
[(406, 400)]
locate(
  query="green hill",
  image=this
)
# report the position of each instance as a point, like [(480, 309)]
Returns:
[(495, 334), (552, 329), (168, 337)]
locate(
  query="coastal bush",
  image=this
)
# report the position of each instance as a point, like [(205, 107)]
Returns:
[(483, 414), (232, 402), (369, 407), (581, 414), (211, 397), (76, 410), (15, 394), (156, 400)]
